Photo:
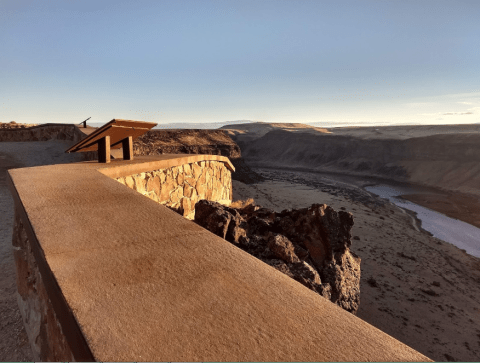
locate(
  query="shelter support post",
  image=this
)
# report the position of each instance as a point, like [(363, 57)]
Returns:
[(104, 149), (127, 146)]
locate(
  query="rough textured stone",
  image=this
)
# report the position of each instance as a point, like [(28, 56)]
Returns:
[(129, 182), (163, 177), (180, 178), (197, 171), (190, 181), (202, 179), (210, 142), (15, 125), (30, 132), (282, 248), (179, 192), (157, 187), (187, 191), (151, 184), (212, 217), (176, 195), (187, 170), (201, 190), (311, 245), (140, 184), (43, 327)]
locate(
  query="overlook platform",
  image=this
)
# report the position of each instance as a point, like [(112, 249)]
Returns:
[(123, 278)]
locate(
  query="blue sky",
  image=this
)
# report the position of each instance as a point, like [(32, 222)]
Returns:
[(338, 62)]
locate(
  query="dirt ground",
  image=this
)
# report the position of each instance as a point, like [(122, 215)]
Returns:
[(416, 288)]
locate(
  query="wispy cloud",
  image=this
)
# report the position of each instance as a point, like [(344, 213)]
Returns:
[(457, 113)]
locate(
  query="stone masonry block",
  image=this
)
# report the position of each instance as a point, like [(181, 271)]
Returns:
[(187, 169), (190, 181), (181, 187), (130, 182), (197, 170), (180, 178)]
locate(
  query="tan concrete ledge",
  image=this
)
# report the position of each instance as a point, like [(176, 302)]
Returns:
[(142, 164), (131, 280)]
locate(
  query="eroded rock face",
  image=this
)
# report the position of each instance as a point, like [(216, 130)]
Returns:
[(185, 141), (31, 132), (311, 245)]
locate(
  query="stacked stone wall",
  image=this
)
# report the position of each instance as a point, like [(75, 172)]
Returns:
[(41, 322), (181, 187)]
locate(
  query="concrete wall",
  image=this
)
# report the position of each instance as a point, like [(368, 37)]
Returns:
[(180, 187), (107, 275)]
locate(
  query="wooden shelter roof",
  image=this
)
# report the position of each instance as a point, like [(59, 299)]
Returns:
[(117, 129)]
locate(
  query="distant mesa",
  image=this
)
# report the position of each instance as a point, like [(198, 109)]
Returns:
[(15, 125)]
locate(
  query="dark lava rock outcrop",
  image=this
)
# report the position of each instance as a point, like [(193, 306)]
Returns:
[(311, 245), (13, 132), (187, 141)]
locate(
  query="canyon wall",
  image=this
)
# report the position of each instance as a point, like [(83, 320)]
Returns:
[(447, 161), (42, 132), (184, 141), (210, 142)]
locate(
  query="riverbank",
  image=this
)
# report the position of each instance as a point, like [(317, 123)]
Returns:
[(459, 233), (461, 206), (417, 288)]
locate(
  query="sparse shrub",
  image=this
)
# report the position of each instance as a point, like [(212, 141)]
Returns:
[(240, 204)]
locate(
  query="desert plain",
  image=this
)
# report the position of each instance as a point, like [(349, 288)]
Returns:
[(419, 289)]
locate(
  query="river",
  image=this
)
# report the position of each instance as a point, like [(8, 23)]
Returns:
[(458, 233)]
